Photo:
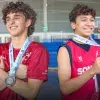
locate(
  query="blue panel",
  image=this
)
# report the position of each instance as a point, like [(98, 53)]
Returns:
[(52, 48)]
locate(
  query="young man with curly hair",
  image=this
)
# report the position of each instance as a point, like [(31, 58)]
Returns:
[(23, 63), (79, 58)]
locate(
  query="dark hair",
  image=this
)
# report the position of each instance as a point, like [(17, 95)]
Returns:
[(81, 9), (23, 8)]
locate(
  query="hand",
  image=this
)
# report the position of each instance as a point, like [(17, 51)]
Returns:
[(3, 76), (1, 63), (96, 66), (21, 72)]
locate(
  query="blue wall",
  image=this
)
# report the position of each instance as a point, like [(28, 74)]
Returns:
[(52, 48)]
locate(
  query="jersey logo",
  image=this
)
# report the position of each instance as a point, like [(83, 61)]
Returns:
[(45, 72), (80, 59), (27, 55)]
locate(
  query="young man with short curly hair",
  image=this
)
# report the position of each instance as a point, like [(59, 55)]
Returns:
[(79, 58), (24, 63)]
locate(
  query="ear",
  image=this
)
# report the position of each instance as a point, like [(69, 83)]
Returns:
[(73, 24), (28, 22)]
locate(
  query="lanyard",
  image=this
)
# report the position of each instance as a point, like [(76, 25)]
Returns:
[(89, 42), (14, 65), (84, 40)]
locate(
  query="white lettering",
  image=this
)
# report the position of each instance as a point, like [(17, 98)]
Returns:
[(84, 69), (79, 71)]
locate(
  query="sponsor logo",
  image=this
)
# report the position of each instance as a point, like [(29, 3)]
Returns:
[(45, 72), (82, 70)]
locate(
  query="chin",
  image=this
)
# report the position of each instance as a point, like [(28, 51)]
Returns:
[(88, 33), (87, 36), (14, 34)]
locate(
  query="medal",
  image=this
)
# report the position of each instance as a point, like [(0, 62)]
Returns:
[(10, 80)]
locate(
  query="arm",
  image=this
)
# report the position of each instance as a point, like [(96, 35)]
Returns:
[(68, 85), (36, 73), (20, 73), (37, 66), (26, 89), (2, 85), (20, 87)]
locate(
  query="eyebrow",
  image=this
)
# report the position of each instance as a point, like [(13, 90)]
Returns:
[(16, 15), (85, 17)]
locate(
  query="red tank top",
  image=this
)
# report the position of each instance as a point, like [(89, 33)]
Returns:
[(82, 60)]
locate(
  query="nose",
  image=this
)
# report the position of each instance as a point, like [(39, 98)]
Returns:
[(11, 21), (90, 23)]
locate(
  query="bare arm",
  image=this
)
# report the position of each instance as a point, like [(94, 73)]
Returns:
[(20, 73), (26, 89), (2, 85), (68, 85)]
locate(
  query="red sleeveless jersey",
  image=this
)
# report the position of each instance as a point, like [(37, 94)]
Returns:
[(82, 60)]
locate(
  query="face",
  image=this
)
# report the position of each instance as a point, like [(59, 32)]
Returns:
[(17, 24), (98, 29), (84, 25)]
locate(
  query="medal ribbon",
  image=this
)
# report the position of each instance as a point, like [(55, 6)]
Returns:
[(84, 40), (14, 65)]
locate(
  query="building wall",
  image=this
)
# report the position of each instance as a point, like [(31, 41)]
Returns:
[(57, 14)]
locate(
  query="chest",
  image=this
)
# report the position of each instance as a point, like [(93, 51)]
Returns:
[(24, 60), (83, 60)]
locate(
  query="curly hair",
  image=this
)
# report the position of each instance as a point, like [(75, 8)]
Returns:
[(81, 9), (21, 7)]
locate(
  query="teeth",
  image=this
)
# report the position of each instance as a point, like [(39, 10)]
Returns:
[(89, 29), (13, 27)]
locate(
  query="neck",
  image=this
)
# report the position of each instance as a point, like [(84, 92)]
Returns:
[(86, 37), (17, 42)]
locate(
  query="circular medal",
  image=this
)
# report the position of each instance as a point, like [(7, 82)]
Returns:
[(10, 81)]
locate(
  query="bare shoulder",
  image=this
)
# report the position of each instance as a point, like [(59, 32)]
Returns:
[(64, 65), (63, 51), (63, 56)]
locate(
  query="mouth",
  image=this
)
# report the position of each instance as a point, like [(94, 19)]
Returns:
[(13, 27), (88, 29)]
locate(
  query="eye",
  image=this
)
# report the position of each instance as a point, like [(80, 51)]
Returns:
[(7, 19), (92, 20), (83, 19), (17, 18)]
